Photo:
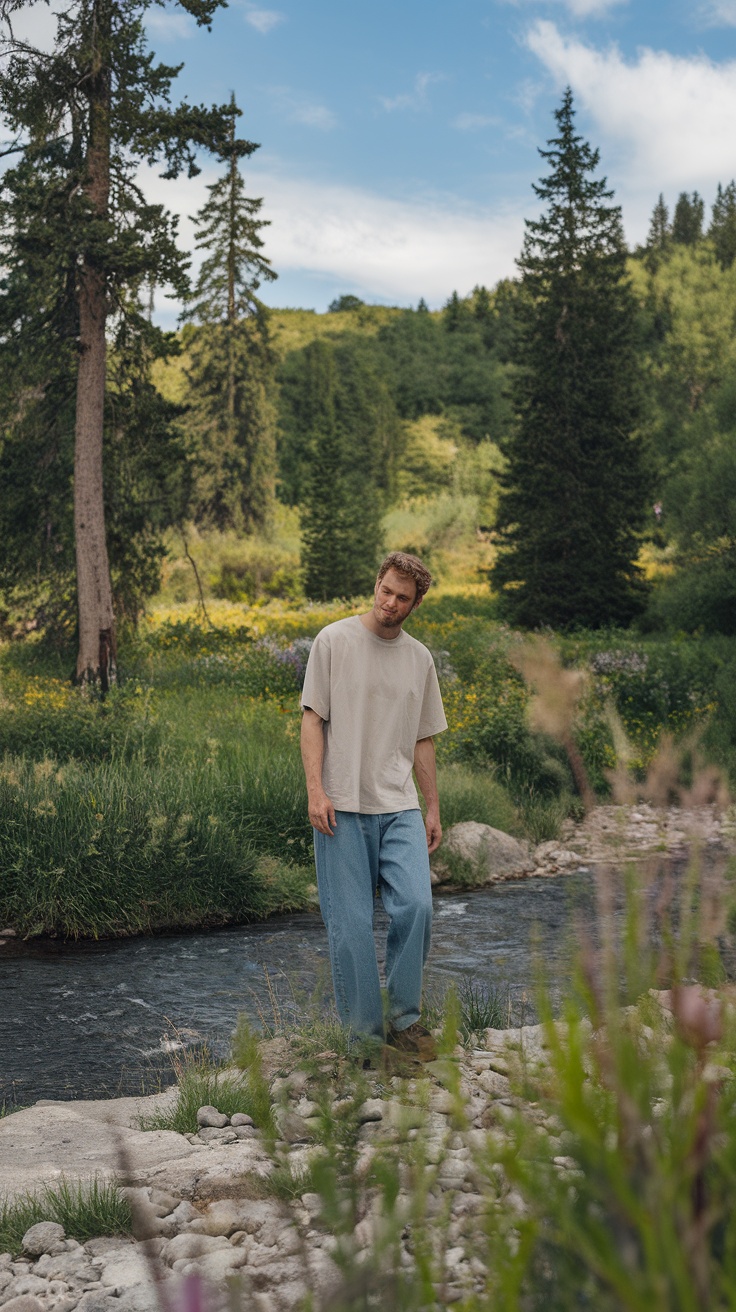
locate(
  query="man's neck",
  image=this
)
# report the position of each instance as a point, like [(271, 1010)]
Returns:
[(380, 630)]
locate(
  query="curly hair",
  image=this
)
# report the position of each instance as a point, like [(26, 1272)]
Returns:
[(403, 563)]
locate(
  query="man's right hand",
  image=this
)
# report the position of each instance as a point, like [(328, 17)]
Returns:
[(322, 814)]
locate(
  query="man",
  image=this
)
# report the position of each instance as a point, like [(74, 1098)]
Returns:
[(372, 705)]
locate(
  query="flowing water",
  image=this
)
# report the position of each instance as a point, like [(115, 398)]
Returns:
[(97, 1019)]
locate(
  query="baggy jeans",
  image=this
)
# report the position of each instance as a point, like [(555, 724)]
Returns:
[(369, 852)]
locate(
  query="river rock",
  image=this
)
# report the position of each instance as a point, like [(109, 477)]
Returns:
[(74, 1268), (215, 1267), (27, 1285), (291, 1127), (240, 1119), (210, 1134), (552, 854), (223, 1217), (190, 1247), (24, 1303), (99, 1300), (163, 1203), (489, 854), (371, 1110), (185, 1213), (42, 1238), (209, 1118)]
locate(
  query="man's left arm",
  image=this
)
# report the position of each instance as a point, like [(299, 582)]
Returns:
[(425, 769)]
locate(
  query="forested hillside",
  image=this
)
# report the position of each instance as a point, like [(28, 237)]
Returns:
[(422, 401), (566, 438), (420, 410)]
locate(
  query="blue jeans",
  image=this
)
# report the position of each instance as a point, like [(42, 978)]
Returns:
[(366, 852)]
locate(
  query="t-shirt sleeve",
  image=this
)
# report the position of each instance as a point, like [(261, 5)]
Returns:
[(316, 690), (432, 719)]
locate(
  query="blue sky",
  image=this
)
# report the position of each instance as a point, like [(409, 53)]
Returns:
[(399, 139)]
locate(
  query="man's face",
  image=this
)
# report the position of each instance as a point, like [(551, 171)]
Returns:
[(395, 596)]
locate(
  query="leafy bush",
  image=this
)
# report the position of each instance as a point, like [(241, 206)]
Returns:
[(48, 717)]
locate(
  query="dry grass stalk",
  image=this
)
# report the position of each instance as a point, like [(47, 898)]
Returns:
[(557, 694)]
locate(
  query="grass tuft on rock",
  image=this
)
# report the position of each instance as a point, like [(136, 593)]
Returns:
[(86, 1210)]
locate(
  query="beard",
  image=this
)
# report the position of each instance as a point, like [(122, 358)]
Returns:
[(384, 620)]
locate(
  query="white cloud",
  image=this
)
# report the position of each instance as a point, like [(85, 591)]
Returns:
[(719, 13), (587, 8), (314, 116), (591, 8), (417, 98), (471, 122), (299, 110), (390, 249), (665, 121), (170, 27), (263, 20)]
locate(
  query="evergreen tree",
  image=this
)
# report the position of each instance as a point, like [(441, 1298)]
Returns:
[(687, 221), (345, 303), (482, 304), (341, 508), (232, 419), (84, 118), (722, 230), (659, 237), (572, 495), (456, 315), (660, 229)]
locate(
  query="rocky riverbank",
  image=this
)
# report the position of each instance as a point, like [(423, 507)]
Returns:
[(205, 1203), (476, 855)]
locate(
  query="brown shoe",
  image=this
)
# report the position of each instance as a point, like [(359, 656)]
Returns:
[(416, 1041)]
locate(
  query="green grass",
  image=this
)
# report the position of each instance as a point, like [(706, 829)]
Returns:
[(203, 1087), (467, 794), (480, 1005), (212, 830), (86, 1211)]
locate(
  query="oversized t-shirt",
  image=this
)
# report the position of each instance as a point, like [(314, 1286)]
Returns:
[(377, 697)]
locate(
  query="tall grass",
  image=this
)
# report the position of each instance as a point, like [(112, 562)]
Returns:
[(475, 795), (212, 830)]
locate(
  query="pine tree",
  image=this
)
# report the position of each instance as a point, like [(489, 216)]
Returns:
[(660, 230), (572, 495), (659, 237), (232, 419), (456, 314), (341, 507), (687, 221), (87, 116), (722, 230)]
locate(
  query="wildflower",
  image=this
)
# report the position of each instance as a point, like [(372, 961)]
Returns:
[(46, 808)]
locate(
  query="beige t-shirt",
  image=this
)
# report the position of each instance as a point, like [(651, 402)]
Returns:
[(378, 697)]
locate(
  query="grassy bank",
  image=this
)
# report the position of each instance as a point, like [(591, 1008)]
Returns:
[(180, 800)]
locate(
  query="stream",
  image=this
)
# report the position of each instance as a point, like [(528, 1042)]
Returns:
[(103, 1019)]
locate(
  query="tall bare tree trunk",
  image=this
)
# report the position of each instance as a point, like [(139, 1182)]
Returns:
[(233, 170), (96, 656)]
